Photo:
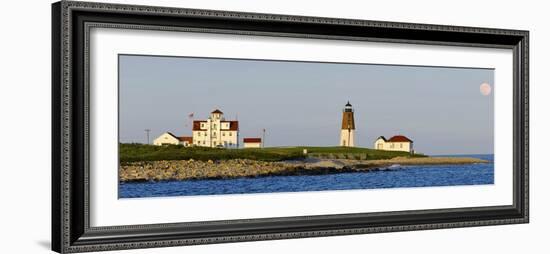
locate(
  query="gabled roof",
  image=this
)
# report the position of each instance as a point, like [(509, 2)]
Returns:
[(399, 138), (217, 111), (188, 139), (170, 133), (252, 140), (383, 138)]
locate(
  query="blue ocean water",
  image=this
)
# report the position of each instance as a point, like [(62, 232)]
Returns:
[(405, 176)]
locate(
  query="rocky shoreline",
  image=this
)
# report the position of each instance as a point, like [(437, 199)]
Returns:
[(191, 169)]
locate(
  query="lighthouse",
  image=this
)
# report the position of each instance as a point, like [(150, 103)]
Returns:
[(347, 134)]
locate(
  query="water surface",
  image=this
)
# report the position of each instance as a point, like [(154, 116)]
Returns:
[(405, 176)]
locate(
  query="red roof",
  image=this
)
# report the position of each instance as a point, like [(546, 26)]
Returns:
[(399, 138), (252, 140), (188, 139), (233, 125), (197, 125)]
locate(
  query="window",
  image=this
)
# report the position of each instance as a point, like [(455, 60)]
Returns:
[(230, 134), (202, 125), (199, 134), (223, 134), (401, 145)]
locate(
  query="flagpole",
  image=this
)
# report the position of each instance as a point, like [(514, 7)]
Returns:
[(238, 128), (190, 116)]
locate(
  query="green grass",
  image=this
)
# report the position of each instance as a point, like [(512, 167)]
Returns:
[(354, 153), (140, 152)]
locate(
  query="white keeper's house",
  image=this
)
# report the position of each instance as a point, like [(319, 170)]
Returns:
[(395, 143), (168, 138), (216, 131)]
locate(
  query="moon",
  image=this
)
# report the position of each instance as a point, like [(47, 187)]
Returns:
[(485, 89)]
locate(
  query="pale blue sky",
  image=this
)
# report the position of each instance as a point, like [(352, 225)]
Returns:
[(300, 103)]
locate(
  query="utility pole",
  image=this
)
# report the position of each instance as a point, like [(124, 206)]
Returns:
[(147, 131), (263, 138)]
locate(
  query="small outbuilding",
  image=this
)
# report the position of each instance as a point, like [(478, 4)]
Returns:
[(186, 141), (252, 142), (395, 143), (168, 138)]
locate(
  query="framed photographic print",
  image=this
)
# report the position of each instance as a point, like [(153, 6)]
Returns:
[(181, 126)]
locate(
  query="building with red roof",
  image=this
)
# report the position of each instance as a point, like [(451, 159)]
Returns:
[(212, 132), (252, 142), (395, 143), (216, 131), (168, 138)]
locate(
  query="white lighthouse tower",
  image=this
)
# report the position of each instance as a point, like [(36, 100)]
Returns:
[(347, 134)]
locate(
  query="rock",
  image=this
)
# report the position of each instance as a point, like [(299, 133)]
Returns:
[(191, 169)]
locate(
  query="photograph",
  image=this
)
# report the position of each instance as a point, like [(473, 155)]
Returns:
[(211, 126), (241, 125)]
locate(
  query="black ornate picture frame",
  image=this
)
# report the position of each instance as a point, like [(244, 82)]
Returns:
[(71, 230)]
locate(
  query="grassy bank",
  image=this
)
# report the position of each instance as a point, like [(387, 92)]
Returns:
[(140, 152)]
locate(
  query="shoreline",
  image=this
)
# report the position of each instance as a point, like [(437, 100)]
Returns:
[(181, 170)]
